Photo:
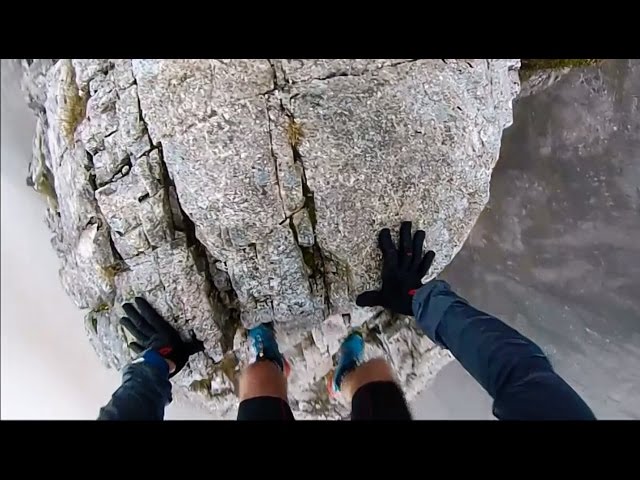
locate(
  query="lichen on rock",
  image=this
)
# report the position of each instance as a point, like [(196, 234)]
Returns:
[(234, 192), (537, 74)]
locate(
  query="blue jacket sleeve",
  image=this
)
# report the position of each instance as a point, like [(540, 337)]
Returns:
[(144, 392), (510, 367)]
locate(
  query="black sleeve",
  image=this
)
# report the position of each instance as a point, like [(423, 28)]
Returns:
[(143, 395), (510, 367)]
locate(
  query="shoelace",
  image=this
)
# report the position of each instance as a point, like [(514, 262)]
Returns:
[(260, 346)]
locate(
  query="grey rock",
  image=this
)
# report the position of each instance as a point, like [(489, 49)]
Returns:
[(107, 337), (107, 164), (88, 68), (40, 175), (122, 73), (131, 129), (248, 191), (424, 151), (302, 70), (221, 279), (82, 237), (171, 281), (263, 260), (207, 384), (412, 355), (101, 120), (137, 209), (195, 88), (113, 118), (304, 229), (288, 172), (541, 80), (34, 82), (330, 334)]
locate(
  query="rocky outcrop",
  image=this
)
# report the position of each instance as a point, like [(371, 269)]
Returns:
[(233, 192)]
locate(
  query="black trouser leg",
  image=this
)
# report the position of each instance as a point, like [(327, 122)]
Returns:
[(379, 401)]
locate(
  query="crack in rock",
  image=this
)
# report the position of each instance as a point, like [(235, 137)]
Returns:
[(359, 74), (296, 72)]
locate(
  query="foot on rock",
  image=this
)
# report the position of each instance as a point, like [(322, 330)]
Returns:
[(265, 346), (351, 355)]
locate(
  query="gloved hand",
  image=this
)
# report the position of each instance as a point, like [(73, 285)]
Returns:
[(153, 332), (402, 271)]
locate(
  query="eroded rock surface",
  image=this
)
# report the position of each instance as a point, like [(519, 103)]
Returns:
[(233, 192)]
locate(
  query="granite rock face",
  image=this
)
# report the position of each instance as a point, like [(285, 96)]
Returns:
[(234, 192)]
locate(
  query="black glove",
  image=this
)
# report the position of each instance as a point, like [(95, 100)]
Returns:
[(402, 271), (155, 333)]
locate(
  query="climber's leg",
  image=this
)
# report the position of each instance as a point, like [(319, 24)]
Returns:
[(374, 393), (370, 386), (263, 384)]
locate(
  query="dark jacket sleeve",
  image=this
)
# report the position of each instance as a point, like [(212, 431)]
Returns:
[(510, 367), (144, 392)]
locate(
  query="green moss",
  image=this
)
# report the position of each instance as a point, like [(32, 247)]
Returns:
[(531, 65), (94, 323), (41, 177), (92, 316), (73, 112), (110, 272), (294, 133), (203, 386), (229, 367), (103, 307), (43, 186), (72, 102)]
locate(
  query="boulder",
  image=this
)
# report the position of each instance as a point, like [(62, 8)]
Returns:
[(234, 192)]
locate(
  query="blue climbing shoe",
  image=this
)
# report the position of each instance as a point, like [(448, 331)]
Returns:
[(265, 346), (351, 355)]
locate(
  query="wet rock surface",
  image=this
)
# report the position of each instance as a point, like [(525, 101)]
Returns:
[(234, 192)]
